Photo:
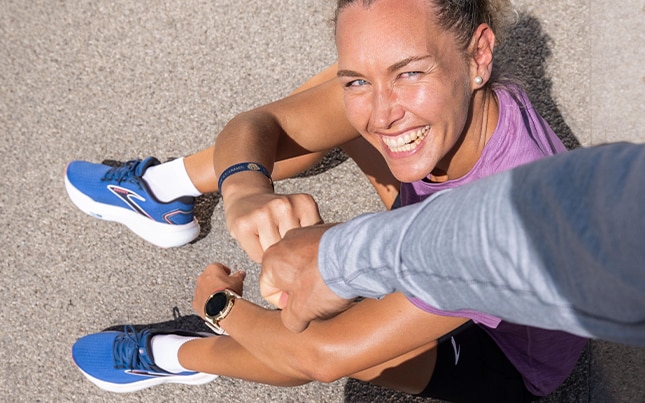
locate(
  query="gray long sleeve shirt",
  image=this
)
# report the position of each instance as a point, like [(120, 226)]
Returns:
[(557, 244)]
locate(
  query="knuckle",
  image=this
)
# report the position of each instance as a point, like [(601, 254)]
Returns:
[(281, 205), (241, 225)]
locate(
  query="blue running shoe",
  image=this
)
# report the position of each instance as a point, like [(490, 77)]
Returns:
[(120, 194), (122, 361)]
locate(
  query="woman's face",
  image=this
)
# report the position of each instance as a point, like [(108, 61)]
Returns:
[(406, 84)]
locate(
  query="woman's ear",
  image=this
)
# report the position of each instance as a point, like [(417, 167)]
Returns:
[(481, 50)]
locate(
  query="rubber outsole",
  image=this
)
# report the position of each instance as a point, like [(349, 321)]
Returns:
[(199, 378)]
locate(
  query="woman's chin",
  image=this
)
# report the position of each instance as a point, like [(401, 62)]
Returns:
[(407, 173)]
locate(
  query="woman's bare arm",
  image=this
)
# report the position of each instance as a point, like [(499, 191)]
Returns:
[(368, 334)]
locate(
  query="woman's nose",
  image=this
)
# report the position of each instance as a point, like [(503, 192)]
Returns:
[(386, 109)]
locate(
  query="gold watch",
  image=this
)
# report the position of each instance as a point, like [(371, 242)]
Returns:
[(217, 307)]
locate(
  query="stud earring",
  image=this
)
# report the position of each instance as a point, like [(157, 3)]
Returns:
[(479, 80)]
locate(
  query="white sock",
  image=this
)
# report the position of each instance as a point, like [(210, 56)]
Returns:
[(170, 181), (165, 350)]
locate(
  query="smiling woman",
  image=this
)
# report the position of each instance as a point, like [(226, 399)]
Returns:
[(415, 79)]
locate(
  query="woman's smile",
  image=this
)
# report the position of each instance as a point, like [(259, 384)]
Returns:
[(406, 142)]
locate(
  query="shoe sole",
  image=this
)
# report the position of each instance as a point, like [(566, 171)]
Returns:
[(199, 378), (159, 234)]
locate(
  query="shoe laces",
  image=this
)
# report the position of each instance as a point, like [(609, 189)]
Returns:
[(127, 172), (129, 350)]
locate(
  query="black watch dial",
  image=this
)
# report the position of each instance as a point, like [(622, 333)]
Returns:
[(215, 304)]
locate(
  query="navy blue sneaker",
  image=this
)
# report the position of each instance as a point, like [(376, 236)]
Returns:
[(120, 194), (122, 361)]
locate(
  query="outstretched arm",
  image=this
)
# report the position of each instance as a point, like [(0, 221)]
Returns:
[(556, 244)]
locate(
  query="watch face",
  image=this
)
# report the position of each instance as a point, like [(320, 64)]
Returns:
[(215, 304)]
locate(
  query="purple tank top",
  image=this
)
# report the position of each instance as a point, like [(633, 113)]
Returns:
[(544, 357)]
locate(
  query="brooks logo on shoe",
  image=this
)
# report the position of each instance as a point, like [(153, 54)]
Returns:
[(127, 196), (168, 217)]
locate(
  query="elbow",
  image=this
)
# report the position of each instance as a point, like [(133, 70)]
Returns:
[(323, 373), (326, 375), (322, 365)]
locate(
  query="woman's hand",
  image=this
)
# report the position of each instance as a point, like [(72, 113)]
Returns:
[(258, 220), (291, 281), (216, 277)]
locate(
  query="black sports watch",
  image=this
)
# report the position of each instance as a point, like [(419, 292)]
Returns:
[(217, 307)]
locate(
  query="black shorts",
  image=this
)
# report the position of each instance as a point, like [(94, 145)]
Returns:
[(471, 368)]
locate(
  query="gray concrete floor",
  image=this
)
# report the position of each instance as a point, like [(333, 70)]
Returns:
[(102, 80)]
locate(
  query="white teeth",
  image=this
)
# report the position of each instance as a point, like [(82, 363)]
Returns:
[(406, 142)]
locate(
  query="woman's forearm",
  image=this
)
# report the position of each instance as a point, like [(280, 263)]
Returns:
[(364, 336)]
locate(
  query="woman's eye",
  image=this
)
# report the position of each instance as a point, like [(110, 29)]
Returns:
[(356, 83), (410, 74)]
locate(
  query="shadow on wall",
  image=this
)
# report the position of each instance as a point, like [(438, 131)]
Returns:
[(524, 55)]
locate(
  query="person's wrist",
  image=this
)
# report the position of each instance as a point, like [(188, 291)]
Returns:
[(218, 306), (245, 184), (243, 167), (240, 305)]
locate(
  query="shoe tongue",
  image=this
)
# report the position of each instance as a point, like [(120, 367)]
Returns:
[(143, 165)]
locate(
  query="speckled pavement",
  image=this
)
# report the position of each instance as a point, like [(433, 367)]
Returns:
[(118, 79)]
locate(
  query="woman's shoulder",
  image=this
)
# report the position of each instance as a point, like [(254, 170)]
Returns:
[(522, 135)]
